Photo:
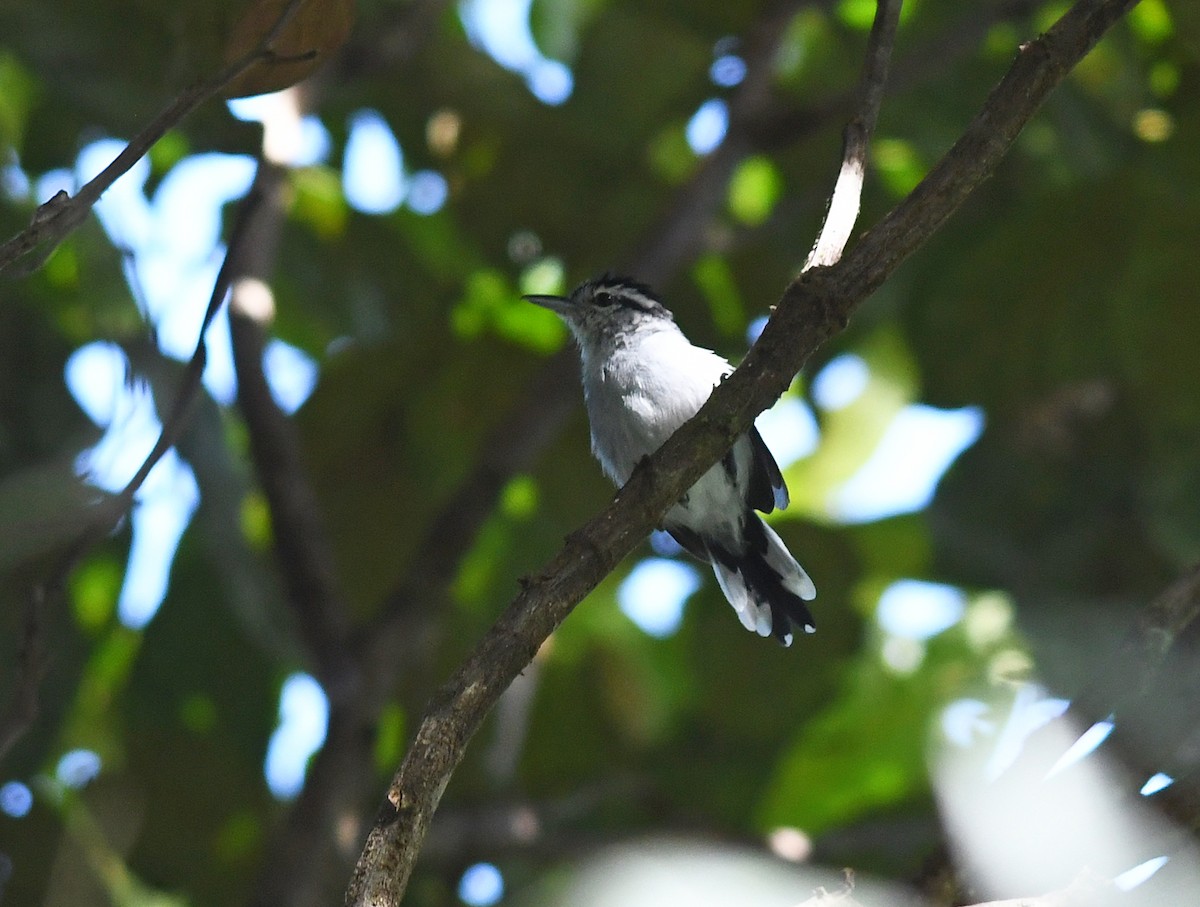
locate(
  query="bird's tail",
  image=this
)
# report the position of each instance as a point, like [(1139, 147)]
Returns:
[(765, 585)]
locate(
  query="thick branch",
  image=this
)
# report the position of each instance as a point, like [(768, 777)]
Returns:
[(814, 307)]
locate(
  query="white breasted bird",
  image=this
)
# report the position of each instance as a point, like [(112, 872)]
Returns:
[(642, 379)]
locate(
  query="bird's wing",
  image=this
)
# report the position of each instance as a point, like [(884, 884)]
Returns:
[(768, 491)]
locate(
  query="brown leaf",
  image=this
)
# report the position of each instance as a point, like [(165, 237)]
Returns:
[(314, 30)]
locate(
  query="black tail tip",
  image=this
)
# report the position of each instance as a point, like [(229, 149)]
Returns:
[(784, 622)]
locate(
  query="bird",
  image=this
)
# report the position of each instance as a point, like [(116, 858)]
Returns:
[(642, 379)]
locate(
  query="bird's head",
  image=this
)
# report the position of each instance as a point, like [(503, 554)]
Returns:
[(606, 308)]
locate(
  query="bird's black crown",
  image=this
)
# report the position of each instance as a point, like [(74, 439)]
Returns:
[(615, 289)]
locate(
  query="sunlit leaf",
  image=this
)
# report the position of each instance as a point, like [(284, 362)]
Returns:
[(754, 190), (715, 279), (94, 589), (671, 156), (17, 90), (169, 151), (519, 499), (898, 164), (319, 201), (389, 739), (1151, 21), (491, 304)]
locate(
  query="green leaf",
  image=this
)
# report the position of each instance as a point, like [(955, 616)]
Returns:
[(94, 590), (715, 279), (898, 165), (319, 201), (18, 93), (491, 304), (670, 155), (1151, 21), (754, 190)]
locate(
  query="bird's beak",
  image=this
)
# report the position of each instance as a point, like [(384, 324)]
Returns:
[(560, 304)]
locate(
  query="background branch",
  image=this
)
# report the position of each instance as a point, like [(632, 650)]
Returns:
[(301, 547), (1121, 689), (1131, 672), (30, 665), (54, 220), (814, 307), (111, 509)]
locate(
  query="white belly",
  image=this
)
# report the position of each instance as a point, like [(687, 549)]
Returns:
[(638, 396)]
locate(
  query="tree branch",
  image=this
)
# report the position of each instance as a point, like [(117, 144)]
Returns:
[(1122, 684), (54, 220), (301, 547), (1129, 675), (111, 509), (847, 191), (814, 307), (396, 643)]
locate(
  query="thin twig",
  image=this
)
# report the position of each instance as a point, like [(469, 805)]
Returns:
[(111, 509), (814, 307), (784, 124), (176, 417), (846, 199), (54, 220)]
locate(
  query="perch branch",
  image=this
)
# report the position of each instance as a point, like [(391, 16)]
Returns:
[(814, 307)]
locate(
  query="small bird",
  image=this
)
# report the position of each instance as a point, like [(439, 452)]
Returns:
[(642, 379)]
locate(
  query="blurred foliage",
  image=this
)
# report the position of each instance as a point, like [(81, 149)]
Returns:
[(1061, 300)]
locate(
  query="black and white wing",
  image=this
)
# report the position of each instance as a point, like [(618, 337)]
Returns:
[(767, 490)]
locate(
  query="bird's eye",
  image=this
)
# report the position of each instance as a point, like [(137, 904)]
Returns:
[(604, 298)]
